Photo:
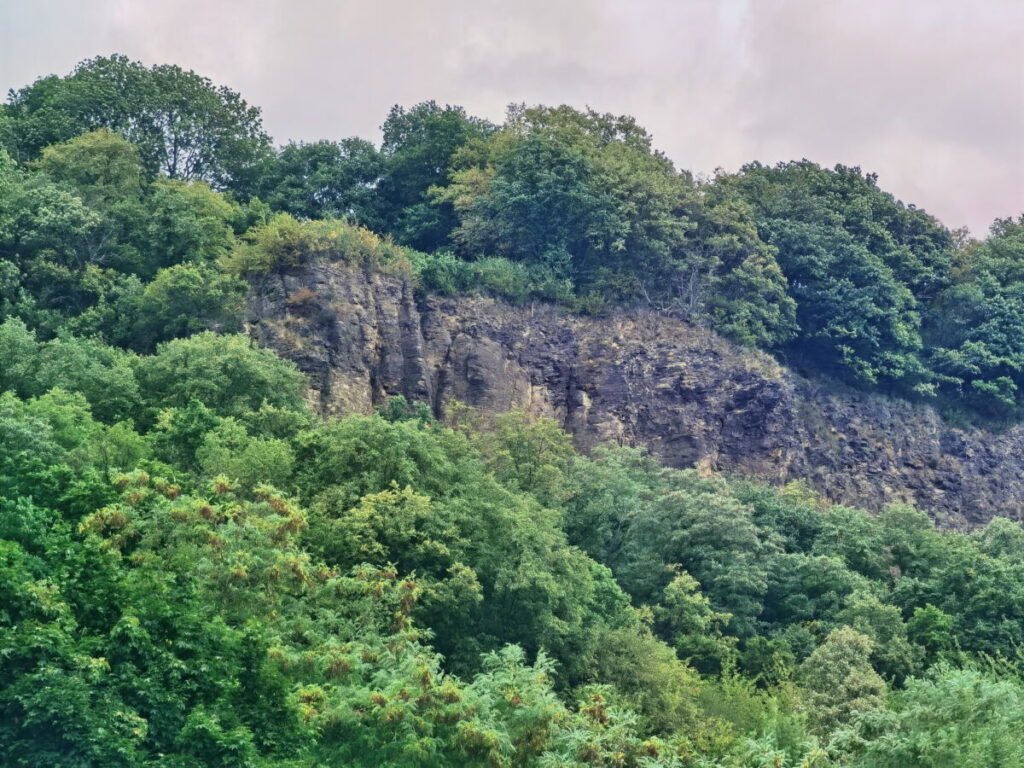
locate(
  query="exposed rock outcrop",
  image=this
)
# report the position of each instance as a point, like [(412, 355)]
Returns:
[(637, 378)]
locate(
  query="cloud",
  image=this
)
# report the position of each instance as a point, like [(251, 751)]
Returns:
[(928, 93)]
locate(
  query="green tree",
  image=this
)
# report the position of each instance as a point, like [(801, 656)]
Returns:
[(839, 682), (893, 656), (227, 374), (693, 628), (184, 126), (610, 488), (495, 564), (974, 325), (229, 450), (101, 166), (1001, 538), (582, 194), (962, 717), (187, 222), (539, 207), (860, 265), (807, 590), (696, 523), (102, 374), (534, 455), (855, 537), (932, 629), (418, 147), (53, 242), (731, 279), (183, 300), (324, 180), (856, 319)]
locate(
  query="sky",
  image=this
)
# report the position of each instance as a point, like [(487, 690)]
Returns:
[(928, 94)]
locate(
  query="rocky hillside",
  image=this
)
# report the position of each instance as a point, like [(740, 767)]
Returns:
[(637, 378)]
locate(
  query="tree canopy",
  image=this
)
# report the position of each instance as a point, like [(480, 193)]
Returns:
[(183, 125)]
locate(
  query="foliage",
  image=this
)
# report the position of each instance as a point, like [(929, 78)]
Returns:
[(964, 717), (184, 125), (975, 323), (324, 180), (444, 273), (418, 147), (581, 194), (840, 680), (195, 569), (285, 242), (227, 374), (183, 300), (860, 266)]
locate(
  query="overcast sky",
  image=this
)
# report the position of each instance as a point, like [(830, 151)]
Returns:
[(927, 93)]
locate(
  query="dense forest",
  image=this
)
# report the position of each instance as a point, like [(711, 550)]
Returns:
[(197, 570)]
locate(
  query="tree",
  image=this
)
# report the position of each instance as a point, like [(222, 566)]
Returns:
[(88, 233), (911, 243), (184, 126), (533, 455), (101, 166), (932, 629), (225, 373), (793, 513), (52, 238), (856, 319), (1001, 537), (860, 265), (893, 656), (102, 374), (962, 717), (183, 300), (418, 147), (538, 208), (975, 325), (693, 628), (696, 523), (187, 222), (839, 682), (324, 179), (579, 193), (228, 450), (32, 464), (807, 590), (609, 490), (731, 279), (855, 537)]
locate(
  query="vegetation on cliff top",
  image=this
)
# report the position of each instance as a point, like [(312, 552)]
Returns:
[(108, 167)]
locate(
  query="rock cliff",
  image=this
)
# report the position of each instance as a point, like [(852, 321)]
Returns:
[(637, 378)]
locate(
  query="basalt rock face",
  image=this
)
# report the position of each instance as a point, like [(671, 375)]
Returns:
[(636, 378)]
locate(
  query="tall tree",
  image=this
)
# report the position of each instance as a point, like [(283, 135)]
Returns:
[(859, 264), (582, 193), (183, 124), (839, 680), (976, 326), (325, 179), (418, 147)]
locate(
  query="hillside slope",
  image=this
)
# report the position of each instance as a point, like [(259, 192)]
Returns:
[(631, 377)]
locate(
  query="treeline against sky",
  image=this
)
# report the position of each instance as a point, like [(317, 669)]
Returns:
[(819, 266)]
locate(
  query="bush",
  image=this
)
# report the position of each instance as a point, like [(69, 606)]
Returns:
[(285, 242), (448, 275)]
